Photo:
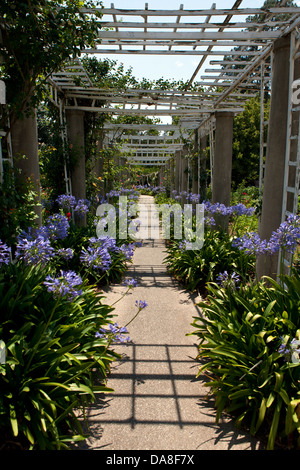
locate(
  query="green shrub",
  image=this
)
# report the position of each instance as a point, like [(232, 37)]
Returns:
[(195, 268), (54, 363), (242, 337)]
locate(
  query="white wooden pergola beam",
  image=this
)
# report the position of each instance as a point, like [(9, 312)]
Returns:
[(151, 112), (203, 25), (145, 163), (181, 42), (181, 52), (216, 12), (191, 36), (146, 147)]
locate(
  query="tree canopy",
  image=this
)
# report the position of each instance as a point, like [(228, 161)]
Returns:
[(36, 37)]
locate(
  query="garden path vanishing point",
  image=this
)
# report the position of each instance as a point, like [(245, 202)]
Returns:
[(157, 403)]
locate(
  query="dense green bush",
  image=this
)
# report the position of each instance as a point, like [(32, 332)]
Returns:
[(54, 363), (249, 342), (195, 268)]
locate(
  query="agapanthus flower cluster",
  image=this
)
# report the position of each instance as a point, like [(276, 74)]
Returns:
[(107, 243), (227, 280), (127, 250), (130, 283), (66, 202), (217, 208), (56, 227), (209, 221), (82, 207), (140, 304), (251, 244), (290, 350), (287, 235), (284, 238), (5, 253), (184, 245), (66, 253), (240, 209), (96, 257), (114, 334), (65, 285), (37, 251)]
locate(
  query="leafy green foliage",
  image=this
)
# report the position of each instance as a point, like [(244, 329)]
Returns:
[(37, 38), (195, 268), (17, 203), (239, 339), (246, 143), (54, 364)]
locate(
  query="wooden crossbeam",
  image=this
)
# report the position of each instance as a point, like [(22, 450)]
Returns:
[(193, 36), (169, 13)]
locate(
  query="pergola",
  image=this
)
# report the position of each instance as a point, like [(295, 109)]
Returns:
[(243, 58)]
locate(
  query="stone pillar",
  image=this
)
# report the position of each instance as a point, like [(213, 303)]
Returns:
[(223, 161), (275, 157), (184, 170), (177, 171), (194, 164), (98, 164), (24, 138), (202, 183), (75, 127)]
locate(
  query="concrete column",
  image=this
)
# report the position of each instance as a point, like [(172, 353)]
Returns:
[(177, 171), (223, 162), (75, 127), (202, 184), (24, 137), (184, 169), (275, 156), (194, 165)]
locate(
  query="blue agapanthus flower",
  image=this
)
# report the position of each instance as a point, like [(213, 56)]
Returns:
[(66, 201), (114, 333), (56, 227), (227, 280), (140, 304), (5, 253), (66, 253), (33, 252), (96, 257), (130, 283), (65, 285)]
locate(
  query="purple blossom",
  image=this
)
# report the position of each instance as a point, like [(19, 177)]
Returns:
[(209, 221), (56, 227), (290, 350), (240, 209), (35, 251), (66, 253), (251, 244), (226, 280), (285, 238), (82, 207), (66, 202), (96, 257), (184, 245), (5, 253), (130, 283), (64, 285), (287, 235), (217, 208), (115, 334), (127, 250), (107, 243), (141, 304)]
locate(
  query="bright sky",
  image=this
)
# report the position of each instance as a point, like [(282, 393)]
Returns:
[(154, 67)]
